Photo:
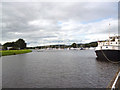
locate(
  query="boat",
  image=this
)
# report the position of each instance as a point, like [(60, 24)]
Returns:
[(82, 48), (109, 49), (39, 50)]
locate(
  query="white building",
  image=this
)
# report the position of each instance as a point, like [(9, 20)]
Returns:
[(8, 48)]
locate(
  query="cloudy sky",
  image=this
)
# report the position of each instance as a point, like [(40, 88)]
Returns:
[(44, 23)]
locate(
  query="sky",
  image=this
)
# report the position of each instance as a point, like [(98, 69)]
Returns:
[(47, 23)]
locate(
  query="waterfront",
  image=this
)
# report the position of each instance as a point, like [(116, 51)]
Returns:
[(56, 69)]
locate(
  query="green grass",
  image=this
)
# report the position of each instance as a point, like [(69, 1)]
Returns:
[(13, 52)]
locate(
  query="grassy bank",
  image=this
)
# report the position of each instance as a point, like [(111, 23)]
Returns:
[(14, 52)]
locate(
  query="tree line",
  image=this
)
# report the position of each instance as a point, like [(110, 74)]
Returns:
[(73, 45), (19, 44)]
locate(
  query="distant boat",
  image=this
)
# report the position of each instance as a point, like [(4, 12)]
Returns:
[(91, 48), (109, 49), (82, 48), (40, 50), (74, 48)]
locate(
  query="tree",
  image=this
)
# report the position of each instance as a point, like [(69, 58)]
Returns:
[(94, 44), (74, 45), (20, 43), (8, 44)]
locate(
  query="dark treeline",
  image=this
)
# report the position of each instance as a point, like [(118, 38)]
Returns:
[(74, 45), (19, 44)]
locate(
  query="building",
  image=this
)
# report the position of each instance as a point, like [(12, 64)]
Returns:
[(8, 48)]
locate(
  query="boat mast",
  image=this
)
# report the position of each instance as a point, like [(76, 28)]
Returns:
[(109, 35)]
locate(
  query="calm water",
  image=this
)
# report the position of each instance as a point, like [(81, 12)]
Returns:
[(56, 69)]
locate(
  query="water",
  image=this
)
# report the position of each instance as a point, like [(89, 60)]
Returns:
[(57, 69)]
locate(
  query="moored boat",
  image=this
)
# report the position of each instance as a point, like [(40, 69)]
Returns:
[(109, 49)]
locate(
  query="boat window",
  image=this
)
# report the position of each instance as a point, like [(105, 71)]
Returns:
[(116, 42), (113, 39), (111, 43), (106, 47)]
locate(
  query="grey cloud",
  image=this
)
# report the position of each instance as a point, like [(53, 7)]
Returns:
[(17, 17)]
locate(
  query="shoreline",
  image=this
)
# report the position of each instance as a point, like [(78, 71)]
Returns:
[(14, 52)]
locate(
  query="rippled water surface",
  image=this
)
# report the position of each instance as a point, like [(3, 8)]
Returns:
[(56, 69)]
